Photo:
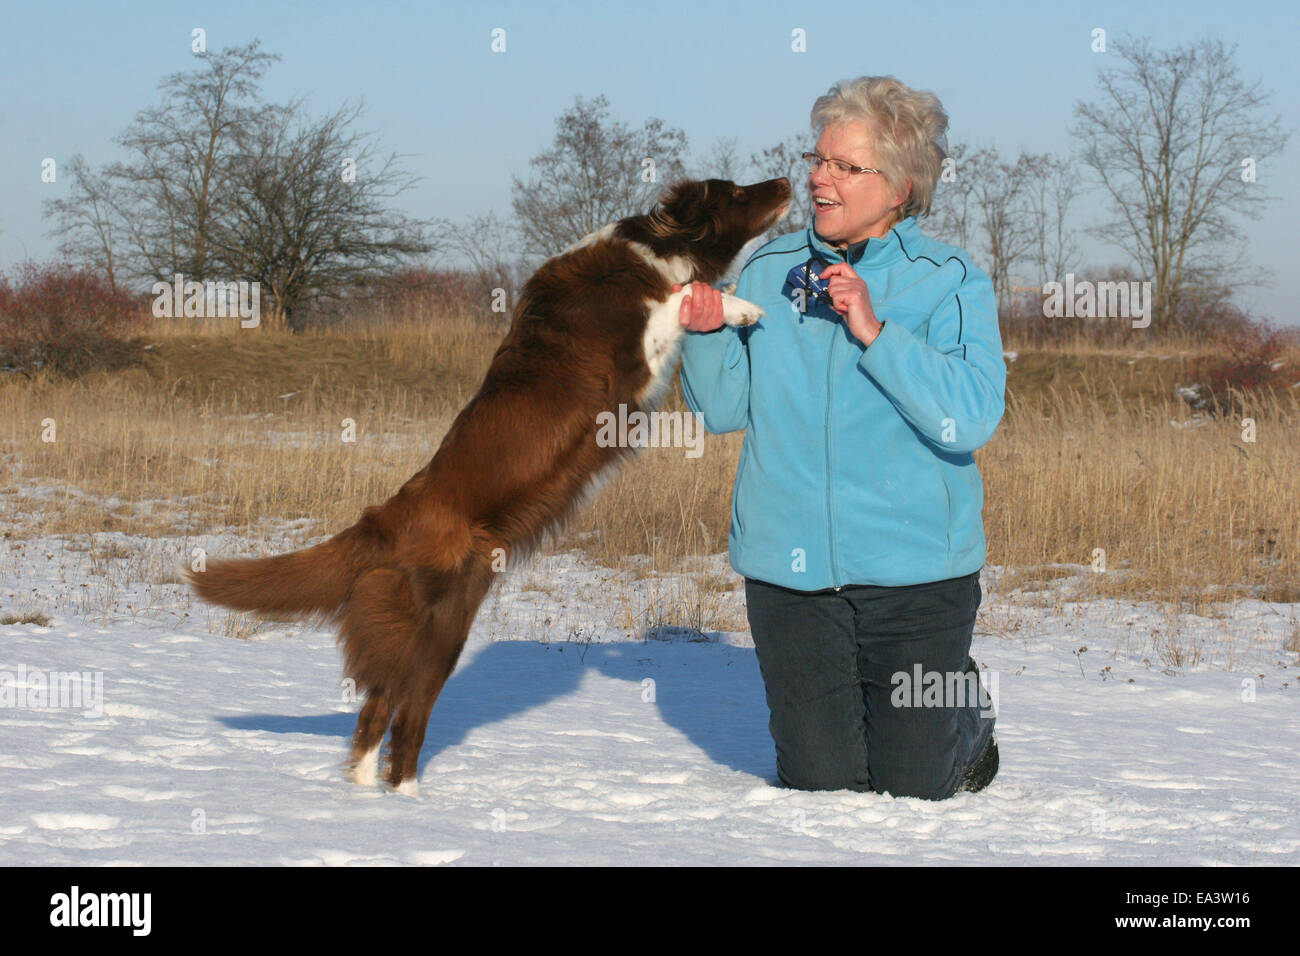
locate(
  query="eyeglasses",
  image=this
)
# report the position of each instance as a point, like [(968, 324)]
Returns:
[(837, 168)]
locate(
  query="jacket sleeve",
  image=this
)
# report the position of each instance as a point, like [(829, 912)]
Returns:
[(952, 390), (715, 373)]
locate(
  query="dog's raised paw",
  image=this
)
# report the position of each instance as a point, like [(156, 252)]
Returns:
[(741, 312)]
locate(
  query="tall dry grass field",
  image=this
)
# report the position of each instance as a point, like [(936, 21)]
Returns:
[(225, 430), (1191, 510), (229, 428)]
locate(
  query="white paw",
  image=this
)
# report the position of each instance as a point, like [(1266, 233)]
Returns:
[(366, 770), (739, 311), (409, 788)]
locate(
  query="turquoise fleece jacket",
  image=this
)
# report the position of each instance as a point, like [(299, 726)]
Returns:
[(857, 464)]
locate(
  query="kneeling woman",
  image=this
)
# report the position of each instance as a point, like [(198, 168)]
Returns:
[(856, 516)]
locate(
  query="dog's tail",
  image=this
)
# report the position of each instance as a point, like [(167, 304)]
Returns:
[(314, 581)]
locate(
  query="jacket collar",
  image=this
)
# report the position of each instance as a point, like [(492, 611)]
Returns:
[(869, 253)]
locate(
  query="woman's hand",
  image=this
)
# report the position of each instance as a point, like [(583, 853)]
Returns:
[(701, 309), (850, 298)]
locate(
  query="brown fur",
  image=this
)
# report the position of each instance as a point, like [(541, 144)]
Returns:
[(406, 581)]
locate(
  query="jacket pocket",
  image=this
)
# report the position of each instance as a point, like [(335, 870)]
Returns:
[(738, 489), (947, 507)]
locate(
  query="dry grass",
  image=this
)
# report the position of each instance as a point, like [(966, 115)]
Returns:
[(39, 618), (225, 429), (663, 505), (681, 607), (1169, 505)]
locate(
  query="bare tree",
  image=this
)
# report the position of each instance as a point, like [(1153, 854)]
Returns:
[(172, 188), (786, 159), (724, 162), (1053, 187), (596, 171), (952, 206), (986, 209), (88, 220), (489, 246), (1001, 196), (305, 211), (1175, 138)]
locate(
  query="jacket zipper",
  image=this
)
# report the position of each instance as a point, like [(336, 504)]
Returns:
[(830, 484)]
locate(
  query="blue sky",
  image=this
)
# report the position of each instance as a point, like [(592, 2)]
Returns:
[(72, 75)]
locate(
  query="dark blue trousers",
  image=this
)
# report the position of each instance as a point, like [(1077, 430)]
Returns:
[(869, 687)]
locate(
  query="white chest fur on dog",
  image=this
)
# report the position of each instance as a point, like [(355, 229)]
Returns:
[(664, 334)]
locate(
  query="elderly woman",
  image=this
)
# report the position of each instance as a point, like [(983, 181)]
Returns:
[(856, 516)]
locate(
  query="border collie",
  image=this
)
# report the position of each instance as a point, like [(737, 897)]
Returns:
[(595, 327)]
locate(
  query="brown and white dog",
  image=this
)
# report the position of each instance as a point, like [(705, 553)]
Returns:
[(596, 326)]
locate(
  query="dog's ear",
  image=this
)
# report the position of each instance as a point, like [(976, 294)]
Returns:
[(681, 209)]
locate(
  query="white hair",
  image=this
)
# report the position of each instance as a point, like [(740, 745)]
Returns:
[(908, 130)]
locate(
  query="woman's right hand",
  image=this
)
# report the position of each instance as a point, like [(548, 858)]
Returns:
[(701, 309)]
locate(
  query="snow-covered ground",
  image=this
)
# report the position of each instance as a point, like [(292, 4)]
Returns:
[(582, 728)]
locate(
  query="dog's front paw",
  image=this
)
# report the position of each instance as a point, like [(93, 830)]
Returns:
[(739, 311)]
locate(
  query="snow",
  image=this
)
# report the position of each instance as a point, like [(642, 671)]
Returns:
[(581, 728)]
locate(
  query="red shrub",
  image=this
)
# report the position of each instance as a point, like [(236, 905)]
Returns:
[(1252, 357), (65, 317)]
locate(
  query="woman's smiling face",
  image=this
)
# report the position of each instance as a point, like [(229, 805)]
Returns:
[(860, 206)]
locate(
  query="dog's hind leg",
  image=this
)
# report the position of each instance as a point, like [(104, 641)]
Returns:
[(363, 765), (409, 726), (445, 628), (411, 719), (377, 634)]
